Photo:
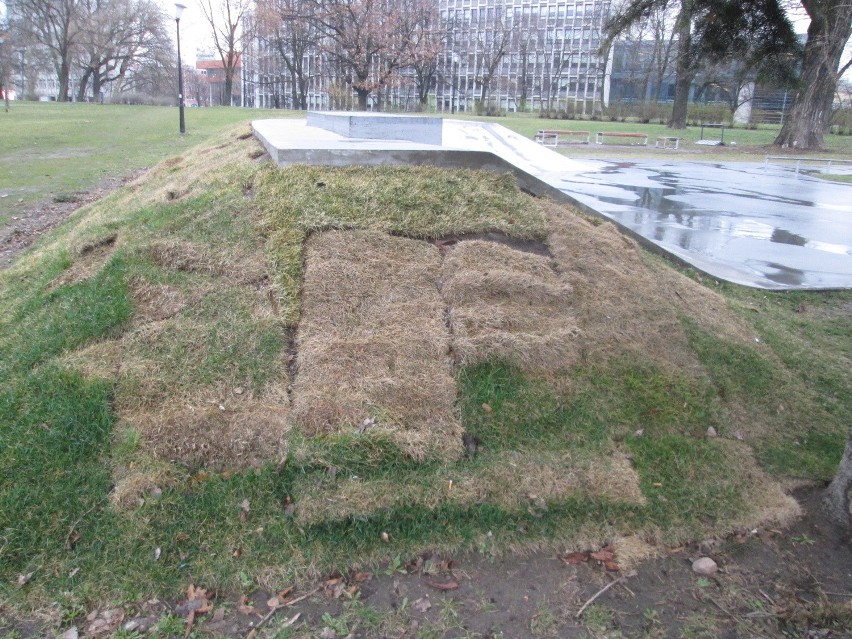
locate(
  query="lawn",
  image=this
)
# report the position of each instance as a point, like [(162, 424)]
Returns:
[(52, 150), (241, 377)]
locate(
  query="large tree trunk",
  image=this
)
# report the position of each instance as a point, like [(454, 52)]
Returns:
[(84, 83), (685, 72), (810, 115), (227, 98), (62, 76), (839, 495)]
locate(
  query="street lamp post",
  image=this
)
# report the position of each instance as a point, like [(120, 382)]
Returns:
[(4, 88), (455, 81), (178, 12), (21, 53)]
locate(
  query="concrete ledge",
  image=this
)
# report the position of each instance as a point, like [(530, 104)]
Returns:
[(379, 126)]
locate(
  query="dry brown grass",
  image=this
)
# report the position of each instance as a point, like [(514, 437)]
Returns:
[(769, 503), (627, 306), (236, 265), (88, 261), (153, 302), (199, 432), (508, 304), (515, 481), (372, 342)]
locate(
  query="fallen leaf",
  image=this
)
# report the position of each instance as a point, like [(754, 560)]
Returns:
[(486, 408), (422, 604), (71, 633), (244, 607), (244, 509), (611, 566), (283, 594), (327, 633), (23, 580), (604, 554), (574, 558), (361, 577), (448, 585)]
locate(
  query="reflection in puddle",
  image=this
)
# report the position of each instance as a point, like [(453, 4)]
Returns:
[(785, 275), (772, 228), (781, 236)]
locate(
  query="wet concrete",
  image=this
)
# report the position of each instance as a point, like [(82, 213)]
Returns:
[(745, 223), (766, 227)]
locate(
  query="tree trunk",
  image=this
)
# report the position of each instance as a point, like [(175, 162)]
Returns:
[(229, 86), (810, 115), (685, 72), (838, 499), (362, 98), (62, 76), (84, 82)]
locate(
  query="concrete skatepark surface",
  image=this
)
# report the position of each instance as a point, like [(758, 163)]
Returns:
[(766, 227)]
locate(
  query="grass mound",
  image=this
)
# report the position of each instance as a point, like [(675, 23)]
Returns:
[(197, 384)]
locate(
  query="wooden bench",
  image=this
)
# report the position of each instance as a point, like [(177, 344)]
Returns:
[(632, 136), (666, 140), (552, 137)]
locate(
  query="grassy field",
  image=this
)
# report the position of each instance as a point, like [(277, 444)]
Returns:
[(52, 150), (157, 429)]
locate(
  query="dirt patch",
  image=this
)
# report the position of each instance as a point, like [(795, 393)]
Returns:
[(372, 344), (31, 222), (507, 304), (772, 582)]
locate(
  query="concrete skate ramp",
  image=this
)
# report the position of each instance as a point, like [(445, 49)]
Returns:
[(761, 227)]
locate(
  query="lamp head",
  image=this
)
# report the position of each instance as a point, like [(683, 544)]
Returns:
[(179, 10)]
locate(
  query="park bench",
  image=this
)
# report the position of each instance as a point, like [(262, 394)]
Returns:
[(599, 138), (706, 142), (663, 142), (552, 137)]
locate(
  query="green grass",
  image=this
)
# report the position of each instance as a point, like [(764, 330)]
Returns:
[(54, 150), (62, 446), (835, 177)]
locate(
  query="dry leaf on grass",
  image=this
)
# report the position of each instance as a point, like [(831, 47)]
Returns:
[(574, 558)]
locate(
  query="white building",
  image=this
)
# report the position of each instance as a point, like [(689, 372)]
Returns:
[(499, 55)]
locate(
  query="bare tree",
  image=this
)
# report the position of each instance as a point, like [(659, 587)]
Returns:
[(428, 41), (822, 68), (493, 42), (114, 35), (288, 26), (54, 24), (711, 30), (225, 18), (367, 41)]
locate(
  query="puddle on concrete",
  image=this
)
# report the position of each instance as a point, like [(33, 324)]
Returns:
[(749, 224)]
